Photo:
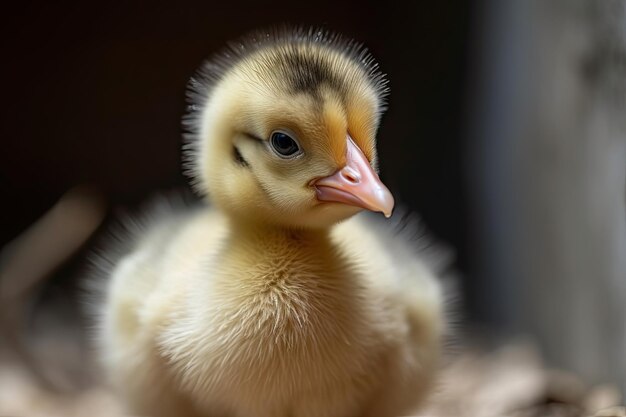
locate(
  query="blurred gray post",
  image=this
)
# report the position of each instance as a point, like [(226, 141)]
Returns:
[(547, 174)]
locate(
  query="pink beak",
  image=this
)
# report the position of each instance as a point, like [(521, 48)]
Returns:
[(356, 184)]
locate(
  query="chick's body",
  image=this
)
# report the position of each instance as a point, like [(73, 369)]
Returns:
[(262, 305)]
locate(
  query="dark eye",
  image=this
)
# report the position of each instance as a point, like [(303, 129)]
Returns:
[(283, 144)]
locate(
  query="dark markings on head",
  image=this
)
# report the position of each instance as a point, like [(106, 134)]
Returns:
[(303, 71), (306, 74), (239, 159)]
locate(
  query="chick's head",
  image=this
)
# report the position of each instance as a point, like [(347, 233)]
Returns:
[(285, 131)]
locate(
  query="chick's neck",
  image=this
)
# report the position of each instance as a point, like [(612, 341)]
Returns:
[(258, 241), (274, 254), (249, 231)]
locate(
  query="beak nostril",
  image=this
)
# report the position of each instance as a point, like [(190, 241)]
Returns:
[(351, 176)]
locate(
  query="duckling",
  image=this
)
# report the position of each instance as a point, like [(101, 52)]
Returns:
[(273, 300)]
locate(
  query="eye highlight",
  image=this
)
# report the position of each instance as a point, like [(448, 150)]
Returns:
[(284, 145)]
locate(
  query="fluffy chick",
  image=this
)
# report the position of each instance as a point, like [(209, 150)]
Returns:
[(263, 304)]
